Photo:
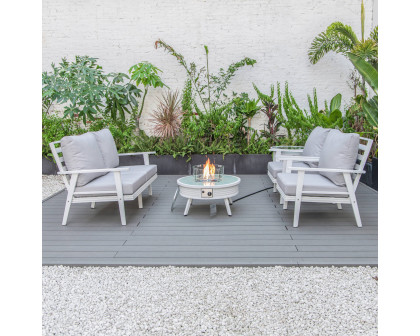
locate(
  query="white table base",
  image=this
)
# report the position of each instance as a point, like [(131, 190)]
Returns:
[(226, 193)]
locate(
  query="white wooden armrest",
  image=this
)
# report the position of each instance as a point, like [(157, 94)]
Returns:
[(87, 171), (285, 148), (145, 156), (330, 170), (299, 158), (279, 151)]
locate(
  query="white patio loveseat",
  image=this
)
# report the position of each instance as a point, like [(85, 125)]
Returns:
[(89, 164), (310, 151), (333, 180)]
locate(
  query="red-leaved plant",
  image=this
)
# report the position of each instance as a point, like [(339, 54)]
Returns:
[(167, 117)]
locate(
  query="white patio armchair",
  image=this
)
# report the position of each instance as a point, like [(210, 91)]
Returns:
[(89, 164), (334, 180)]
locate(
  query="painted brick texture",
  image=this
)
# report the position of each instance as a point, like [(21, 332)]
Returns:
[(277, 34)]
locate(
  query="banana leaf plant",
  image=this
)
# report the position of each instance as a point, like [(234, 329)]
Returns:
[(333, 115), (370, 74)]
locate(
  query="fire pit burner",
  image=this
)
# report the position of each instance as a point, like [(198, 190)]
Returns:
[(208, 172)]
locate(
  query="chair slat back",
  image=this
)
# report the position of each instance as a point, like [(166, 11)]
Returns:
[(59, 160), (365, 145)]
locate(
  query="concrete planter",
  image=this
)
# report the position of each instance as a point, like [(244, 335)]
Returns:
[(370, 178), (48, 167), (168, 165), (234, 163)]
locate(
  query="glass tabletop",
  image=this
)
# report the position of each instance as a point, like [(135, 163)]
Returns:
[(226, 179)]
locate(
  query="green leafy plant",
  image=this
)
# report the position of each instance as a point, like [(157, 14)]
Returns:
[(123, 131), (209, 122), (271, 110), (81, 84), (168, 116), (54, 128), (121, 95), (49, 89), (146, 74), (246, 109), (207, 87), (370, 74), (297, 122), (83, 88), (331, 117), (342, 39)]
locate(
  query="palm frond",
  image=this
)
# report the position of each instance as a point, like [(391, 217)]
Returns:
[(338, 28), (337, 38)]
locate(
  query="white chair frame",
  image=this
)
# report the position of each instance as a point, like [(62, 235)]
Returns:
[(70, 179), (278, 152), (346, 197)]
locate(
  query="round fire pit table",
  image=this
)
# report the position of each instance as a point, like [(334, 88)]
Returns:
[(225, 189)]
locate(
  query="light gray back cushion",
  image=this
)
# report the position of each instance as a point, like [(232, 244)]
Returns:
[(339, 152), (314, 144), (108, 149), (82, 152)]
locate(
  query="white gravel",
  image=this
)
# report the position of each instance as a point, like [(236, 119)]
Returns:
[(209, 301), (51, 184)]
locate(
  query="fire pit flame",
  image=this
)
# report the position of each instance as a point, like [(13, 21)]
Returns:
[(209, 171)]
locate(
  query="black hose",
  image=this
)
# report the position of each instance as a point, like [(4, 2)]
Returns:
[(238, 199)]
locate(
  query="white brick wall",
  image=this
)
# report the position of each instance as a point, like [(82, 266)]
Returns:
[(277, 34)]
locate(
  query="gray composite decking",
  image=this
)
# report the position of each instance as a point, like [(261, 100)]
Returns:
[(260, 232)]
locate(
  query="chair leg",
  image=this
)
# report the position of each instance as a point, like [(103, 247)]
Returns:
[(150, 190), (281, 200), (140, 200), (92, 205), (120, 196), (274, 188), (66, 210), (297, 212), (353, 199), (298, 201), (70, 192), (122, 211), (339, 206)]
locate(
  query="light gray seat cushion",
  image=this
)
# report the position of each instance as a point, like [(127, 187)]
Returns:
[(149, 169), (277, 167), (131, 180), (339, 152), (107, 146), (314, 144), (82, 152), (311, 182)]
